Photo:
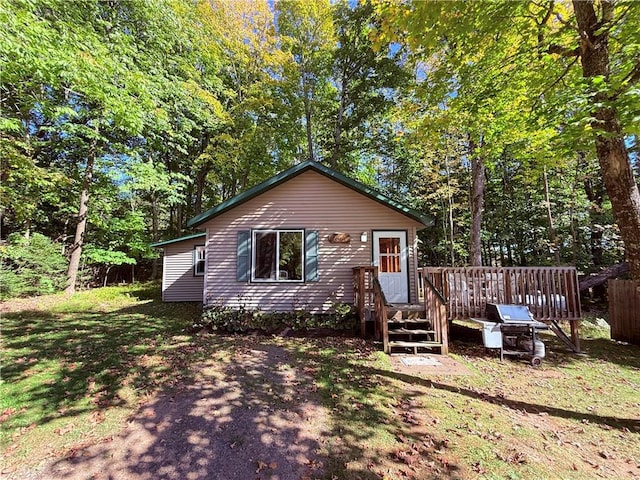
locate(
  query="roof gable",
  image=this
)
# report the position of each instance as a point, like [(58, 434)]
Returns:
[(297, 170)]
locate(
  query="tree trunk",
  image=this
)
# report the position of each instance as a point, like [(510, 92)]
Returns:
[(106, 275), (613, 157), (307, 116), (477, 206), (450, 214), (154, 234), (553, 237), (179, 219), (81, 227), (595, 192), (201, 178), (337, 131), (600, 278)]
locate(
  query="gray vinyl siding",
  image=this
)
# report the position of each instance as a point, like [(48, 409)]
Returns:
[(313, 202), (178, 282)]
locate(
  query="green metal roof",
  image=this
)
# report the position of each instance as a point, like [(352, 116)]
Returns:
[(297, 170), (181, 239)]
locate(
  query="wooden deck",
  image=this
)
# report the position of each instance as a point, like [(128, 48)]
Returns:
[(551, 293)]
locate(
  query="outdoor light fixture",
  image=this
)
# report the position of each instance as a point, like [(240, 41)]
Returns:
[(363, 237)]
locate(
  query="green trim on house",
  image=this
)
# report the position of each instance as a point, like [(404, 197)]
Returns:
[(181, 239), (297, 170)]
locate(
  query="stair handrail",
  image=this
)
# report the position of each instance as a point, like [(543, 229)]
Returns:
[(380, 314), (435, 306)]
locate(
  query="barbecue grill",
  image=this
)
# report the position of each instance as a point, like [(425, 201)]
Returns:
[(512, 329)]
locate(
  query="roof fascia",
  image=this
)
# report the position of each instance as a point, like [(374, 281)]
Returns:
[(177, 240)]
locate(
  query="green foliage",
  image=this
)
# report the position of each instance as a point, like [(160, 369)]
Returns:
[(240, 320), (30, 266), (101, 256), (185, 104)]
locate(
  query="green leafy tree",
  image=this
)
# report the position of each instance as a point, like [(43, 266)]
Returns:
[(307, 33), (30, 266), (562, 57)]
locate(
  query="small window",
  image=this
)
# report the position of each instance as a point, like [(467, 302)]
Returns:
[(198, 260), (278, 255), (390, 254)]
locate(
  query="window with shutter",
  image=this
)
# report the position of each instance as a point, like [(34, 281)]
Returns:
[(277, 256)]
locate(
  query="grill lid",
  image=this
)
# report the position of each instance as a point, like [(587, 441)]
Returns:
[(508, 313)]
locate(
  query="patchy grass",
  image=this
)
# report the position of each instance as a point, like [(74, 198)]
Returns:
[(75, 369), (577, 417)]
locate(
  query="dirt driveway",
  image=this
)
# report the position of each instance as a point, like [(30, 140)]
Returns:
[(256, 417)]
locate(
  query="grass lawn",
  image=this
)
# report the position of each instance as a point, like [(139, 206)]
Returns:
[(74, 370)]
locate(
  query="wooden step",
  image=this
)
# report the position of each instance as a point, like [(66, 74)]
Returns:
[(404, 310), (415, 346), (408, 320), (426, 343), (408, 331), (406, 307)]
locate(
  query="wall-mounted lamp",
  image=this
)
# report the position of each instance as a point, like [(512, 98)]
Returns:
[(363, 237)]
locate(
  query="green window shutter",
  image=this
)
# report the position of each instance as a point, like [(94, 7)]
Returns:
[(311, 256), (243, 269)]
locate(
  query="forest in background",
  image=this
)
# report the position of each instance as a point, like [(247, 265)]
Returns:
[(121, 120)]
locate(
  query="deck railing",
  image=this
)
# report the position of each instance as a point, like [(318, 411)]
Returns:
[(551, 293), (363, 295), (380, 315), (436, 312)]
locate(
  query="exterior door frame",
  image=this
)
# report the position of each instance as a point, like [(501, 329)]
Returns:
[(404, 256)]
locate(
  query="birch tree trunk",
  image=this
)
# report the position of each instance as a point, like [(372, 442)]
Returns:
[(553, 237), (337, 132)]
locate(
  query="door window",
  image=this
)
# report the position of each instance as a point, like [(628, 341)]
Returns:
[(389, 256)]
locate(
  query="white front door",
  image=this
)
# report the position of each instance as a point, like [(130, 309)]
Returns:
[(390, 256)]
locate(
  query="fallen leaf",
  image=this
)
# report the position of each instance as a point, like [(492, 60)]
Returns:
[(64, 430), (261, 466), (6, 414)]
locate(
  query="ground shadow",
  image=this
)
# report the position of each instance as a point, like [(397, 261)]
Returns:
[(468, 340), (243, 421), (620, 423), (95, 353), (366, 405)]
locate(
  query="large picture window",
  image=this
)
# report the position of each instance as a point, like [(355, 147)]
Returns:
[(198, 260), (278, 255)]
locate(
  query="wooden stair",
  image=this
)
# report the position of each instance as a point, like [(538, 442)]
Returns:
[(408, 331)]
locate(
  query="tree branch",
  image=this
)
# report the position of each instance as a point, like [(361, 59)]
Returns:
[(633, 76), (630, 79), (555, 82), (564, 51)]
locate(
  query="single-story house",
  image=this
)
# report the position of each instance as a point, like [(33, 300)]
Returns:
[(292, 242)]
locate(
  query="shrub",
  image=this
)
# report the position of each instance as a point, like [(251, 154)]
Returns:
[(238, 320), (31, 266)]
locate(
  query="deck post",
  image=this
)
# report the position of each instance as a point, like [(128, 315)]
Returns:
[(444, 332), (575, 334), (359, 294)]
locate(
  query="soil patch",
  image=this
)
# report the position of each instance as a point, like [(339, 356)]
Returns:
[(254, 416)]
